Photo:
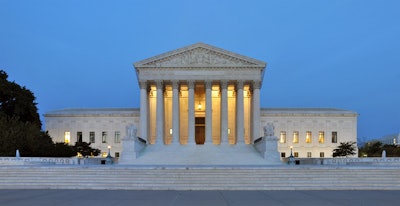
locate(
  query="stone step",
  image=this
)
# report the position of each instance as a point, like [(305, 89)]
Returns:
[(281, 178)]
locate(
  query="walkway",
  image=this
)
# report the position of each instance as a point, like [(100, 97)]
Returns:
[(193, 198)]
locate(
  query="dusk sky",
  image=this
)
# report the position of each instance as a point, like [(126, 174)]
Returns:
[(320, 53)]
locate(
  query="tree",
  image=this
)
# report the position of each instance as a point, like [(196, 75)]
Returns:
[(375, 148), (84, 149), (20, 126), (345, 149), (17, 101)]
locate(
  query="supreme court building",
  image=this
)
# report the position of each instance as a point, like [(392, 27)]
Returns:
[(206, 96)]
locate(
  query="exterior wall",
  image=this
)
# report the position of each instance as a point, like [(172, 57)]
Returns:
[(87, 121), (343, 122), (288, 120)]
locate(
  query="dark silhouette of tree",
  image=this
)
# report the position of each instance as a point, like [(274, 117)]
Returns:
[(17, 101), (375, 148), (20, 126), (345, 149), (85, 150)]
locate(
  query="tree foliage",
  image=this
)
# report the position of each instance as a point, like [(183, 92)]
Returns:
[(374, 149), (20, 126), (18, 102), (85, 150), (345, 149)]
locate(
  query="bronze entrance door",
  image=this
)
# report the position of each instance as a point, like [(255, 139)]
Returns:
[(200, 130)]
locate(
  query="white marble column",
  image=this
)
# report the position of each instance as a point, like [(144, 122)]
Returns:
[(255, 111), (143, 111), (239, 112), (160, 113), (191, 128), (208, 137), (224, 111), (175, 112)]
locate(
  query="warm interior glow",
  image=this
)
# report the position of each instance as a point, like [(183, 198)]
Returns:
[(67, 137), (199, 106)]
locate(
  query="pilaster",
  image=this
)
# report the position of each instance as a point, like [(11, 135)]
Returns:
[(160, 113), (191, 120), (224, 111)]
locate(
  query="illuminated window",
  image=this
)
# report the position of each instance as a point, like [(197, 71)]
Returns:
[(92, 137), (104, 137), (283, 137), (321, 137), (309, 154), (104, 154), (295, 154), (308, 137), (334, 137), (67, 137), (295, 137), (79, 136), (117, 137)]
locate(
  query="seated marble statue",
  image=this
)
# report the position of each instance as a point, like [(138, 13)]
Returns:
[(131, 130), (269, 130)]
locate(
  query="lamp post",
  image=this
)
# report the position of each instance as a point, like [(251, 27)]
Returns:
[(291, 158), (109, 158)]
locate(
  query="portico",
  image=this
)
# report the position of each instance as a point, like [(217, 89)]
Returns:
[(200, 94)]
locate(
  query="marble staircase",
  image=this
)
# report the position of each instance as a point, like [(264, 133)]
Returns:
[(213, 177)]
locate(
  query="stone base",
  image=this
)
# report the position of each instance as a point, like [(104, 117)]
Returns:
[(209, 154)]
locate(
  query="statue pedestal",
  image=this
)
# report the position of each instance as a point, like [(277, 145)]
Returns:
[(271, 146), (128, 153), (268, 148)]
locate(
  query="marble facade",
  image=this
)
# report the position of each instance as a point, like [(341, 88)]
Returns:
[(202, 95)]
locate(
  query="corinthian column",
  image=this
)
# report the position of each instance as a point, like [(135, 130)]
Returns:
[(224, 111), (175, 112), (208, 112), (239, 112), (255, 100), (143, 111), (191, 137), (160, 113)]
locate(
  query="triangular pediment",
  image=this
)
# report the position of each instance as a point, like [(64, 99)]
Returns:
[(200, 55)]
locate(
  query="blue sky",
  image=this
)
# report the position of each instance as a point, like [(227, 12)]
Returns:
[(320, 53)]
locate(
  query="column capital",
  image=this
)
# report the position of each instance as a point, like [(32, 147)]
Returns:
[(208, 84), (190, 84), (256, 84), (224, 84), (175, 84), (239, 84), (143, 84), (159, 83)]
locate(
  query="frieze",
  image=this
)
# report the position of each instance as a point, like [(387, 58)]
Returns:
[(201, 57)]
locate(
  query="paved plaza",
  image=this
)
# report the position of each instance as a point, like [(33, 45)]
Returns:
[(193, 198)]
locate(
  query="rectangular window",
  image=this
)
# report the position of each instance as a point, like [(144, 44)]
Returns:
[(308, 137), (92, 137), (79, 137), (321, 154), (104, 137), (283, 154), (117, 155), (321, 137), (309, 154), (283, 137), (334, 137), (117, 137), (295, 137), (67, 137), (296, 154)]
